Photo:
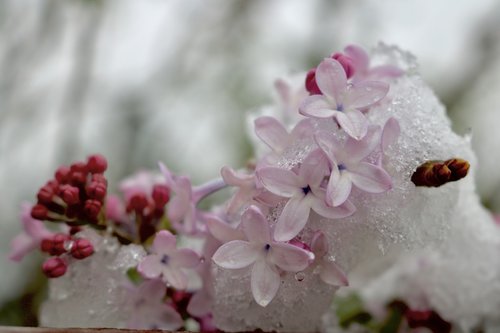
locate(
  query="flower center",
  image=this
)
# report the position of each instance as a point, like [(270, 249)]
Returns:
[(306, 189), (341, 167), (165, 259), (267, 247), (340, 107)]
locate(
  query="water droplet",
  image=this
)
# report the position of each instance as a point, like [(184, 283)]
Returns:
[(300, 276), (68, 245)]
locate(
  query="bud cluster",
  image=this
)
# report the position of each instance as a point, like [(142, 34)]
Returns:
[(76, 194)]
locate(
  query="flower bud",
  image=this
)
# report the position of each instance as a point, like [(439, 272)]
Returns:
[(54, 267), (97, 164), (70, 194), (55, 245), (39, 212), (96, 190), (45, 194), (92, 208), (82, 248), (311, 85), (346, 62), (161, 195), (62, 174), (137, 203)]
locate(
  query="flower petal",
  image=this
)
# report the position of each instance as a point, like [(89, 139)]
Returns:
[(200, 304), (328, 143), (255, 225), (185, 258), (222, 231), (290, 258), (371, 178), (164, 242), (235, 254), (175, 277), (390, 133), (233, 178), (359, 149), (304, 128), (281, 182), (265, 282), (319, 206), (272, 133), (365, 93), (338, 188), (353, 122), (331, 79), (168, 319), (319, 244), (21, 245), (150, 267), (332, 274), (314, 168), (359, 57), (293, 218), (317, 106)]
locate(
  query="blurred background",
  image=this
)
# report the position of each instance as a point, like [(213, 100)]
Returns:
[(143, 81)]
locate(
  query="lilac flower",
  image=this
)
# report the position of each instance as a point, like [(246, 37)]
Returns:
[(30, 238), (304, 192), (362, 69), (246, 191), (348, 167), (182, 210), (167, 261), (222, 231), (341, 100), (149, 310), (264, 254), (329, 271)]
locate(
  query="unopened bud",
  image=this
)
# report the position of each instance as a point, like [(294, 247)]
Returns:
[(92, 208), (45, 194), (62, 174), (311, 85), (137, 203), (97, 164), (346, 63), (54, 267), (82, 248), (161, 195), (96, 190), (39, 212), (437, 173), (70, 194), (55, 245)]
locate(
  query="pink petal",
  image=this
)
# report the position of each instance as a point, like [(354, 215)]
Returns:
[(359, 57), (359, 149), (21, 245), (175, 277), (272, 133), (338, 188), (169, 319), (290, 258), (164, 242), (153, 290), (319, 206), (169, 176), (314, 168), (281, 182), (234, 178), (200, 304), (303, 129), (265, 282), (181, 203), (185, 258), (255, 225), (222, 231), (365, 93), (353, 122), (332, 274), (331, 79), (293, 218), (317, 106), (34, 228), (235, 254), (150, 267), (328, 144), (319, 244), (371, 178), (390, 133)]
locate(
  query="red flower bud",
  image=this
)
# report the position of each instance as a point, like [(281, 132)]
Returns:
[(92, 208), (55, 245), (97, 164), (70, 194), (137, 203), (346, 62), (54, 267), (100, 179), (96, 190), (39, 212), (45, 194), (82, 248), (161, 195), (311, 85), (79, 167), (62, 174)]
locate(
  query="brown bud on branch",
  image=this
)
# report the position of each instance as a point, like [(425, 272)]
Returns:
[(437, 173)]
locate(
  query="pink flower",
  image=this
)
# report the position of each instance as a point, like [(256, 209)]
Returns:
[(149, 310), (304, 192), (246, 191), (348, 167), (329, 271), (264, 254), (341, 100), (30, 238), (167, 261), (222, 231), (362, 69)]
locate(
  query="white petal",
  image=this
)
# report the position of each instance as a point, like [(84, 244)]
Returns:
[(222, 231), (371, 178), (164, 242), (390, 132), (293, 218), (328, 144), (314, 168), (272, 133), (359, 149), (185, 258), (265, 282), (344, 210), (289, 257), (234, 178), (332, 274), (175, 277), (281, 182), (235, 254), (319, 244), (317, 106), (353, 122), (331, 79), (151, 266), (338, 189), (359, 57), (363, 94), (255, 225)]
